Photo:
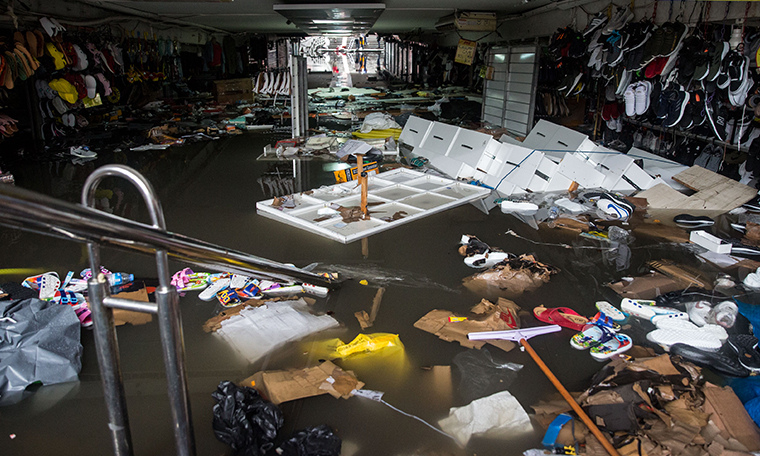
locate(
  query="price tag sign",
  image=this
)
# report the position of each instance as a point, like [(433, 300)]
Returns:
[(465, 52)]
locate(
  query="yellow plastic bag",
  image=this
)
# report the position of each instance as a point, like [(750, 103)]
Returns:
[(367, 343)]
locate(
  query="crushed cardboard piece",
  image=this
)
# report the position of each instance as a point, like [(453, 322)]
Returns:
[(576, 225), (681, 411), (660, 364), (122, 317), (645, 287), (752, 234), (552, 407), (288, 385), (485, 316), (515, 275), (660, 231), (729, 415), (685, 275), (363, 318)]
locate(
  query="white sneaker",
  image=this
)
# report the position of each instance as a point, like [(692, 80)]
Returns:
[(82, 152), (642, 97), (630, 100)]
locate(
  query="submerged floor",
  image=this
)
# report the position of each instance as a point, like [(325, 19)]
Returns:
[(209, 192)]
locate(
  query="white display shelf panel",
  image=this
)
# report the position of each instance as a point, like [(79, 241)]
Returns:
[(411, 194)]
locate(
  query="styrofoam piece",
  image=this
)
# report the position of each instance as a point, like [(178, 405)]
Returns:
[(256, 331), (416, 191), (543, 174), (710, 242), (468, 146), (414, 131), (440, 138), (580, 171)]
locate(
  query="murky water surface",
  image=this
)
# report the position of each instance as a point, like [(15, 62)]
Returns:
[(209, 192)]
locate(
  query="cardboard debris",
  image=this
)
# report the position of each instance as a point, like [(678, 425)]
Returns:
[(752, 235), (645, 287), (728, 413), (288, 385), (485, 316), (686, 276), (660, 231), (515, 275), (122, 317)]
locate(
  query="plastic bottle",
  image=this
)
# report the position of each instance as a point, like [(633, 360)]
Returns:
[(553, 212), (120, 278), (724, 314)]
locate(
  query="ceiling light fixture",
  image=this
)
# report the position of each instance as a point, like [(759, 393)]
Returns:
[(333, 21)]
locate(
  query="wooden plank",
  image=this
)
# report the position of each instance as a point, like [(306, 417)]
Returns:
[(662, 196), (698, 178), (714, 192)]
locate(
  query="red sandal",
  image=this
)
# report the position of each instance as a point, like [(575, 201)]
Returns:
[(563, 316)]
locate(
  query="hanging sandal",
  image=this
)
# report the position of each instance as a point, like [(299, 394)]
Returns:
[(563, 316)]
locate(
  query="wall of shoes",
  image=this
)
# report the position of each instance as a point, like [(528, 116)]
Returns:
[(59, 82), (677, 88)]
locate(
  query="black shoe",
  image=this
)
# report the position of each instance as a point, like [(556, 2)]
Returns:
[(746, 347), (676, 108), (753, 205), (716, 361), (689, 221), (743, 250)]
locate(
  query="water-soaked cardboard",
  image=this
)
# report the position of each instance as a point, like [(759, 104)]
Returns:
[(485, 316), (288, 385)]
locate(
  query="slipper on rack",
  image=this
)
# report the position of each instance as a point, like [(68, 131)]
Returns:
[(610, 310), (563, 316), (619, 343)]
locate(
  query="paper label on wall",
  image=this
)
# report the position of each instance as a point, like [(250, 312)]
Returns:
[(465, 52)]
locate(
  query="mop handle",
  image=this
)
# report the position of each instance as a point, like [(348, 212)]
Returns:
[(570, 400)]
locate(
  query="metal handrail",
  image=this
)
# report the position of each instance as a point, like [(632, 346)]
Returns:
[(31, 211)]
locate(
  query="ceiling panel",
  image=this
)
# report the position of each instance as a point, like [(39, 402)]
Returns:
[(399, 16)]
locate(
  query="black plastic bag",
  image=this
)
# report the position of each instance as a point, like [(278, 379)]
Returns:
[(313, 441), (480, 375), (243, 420)]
